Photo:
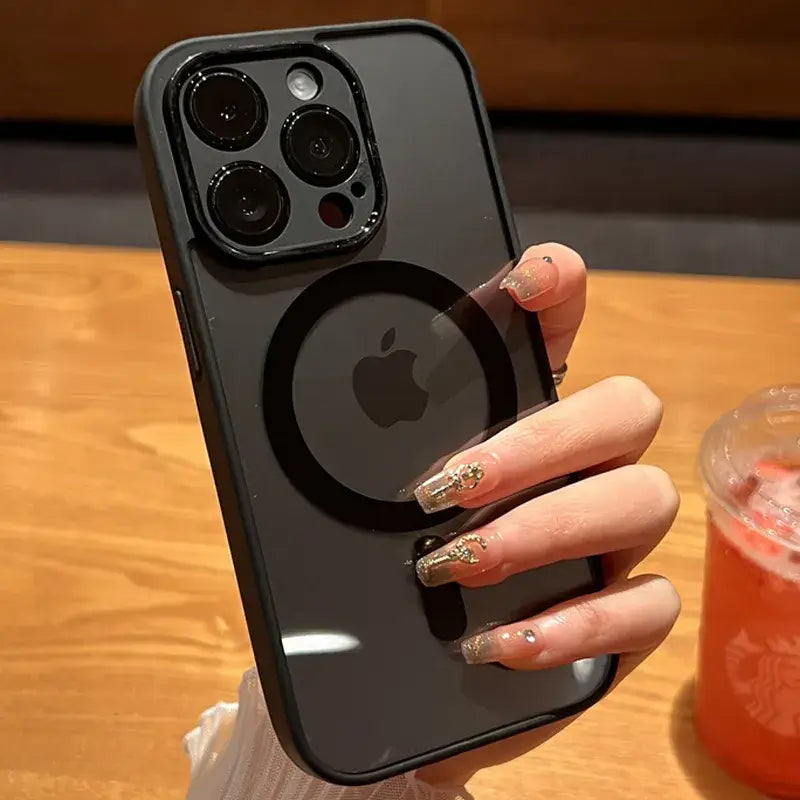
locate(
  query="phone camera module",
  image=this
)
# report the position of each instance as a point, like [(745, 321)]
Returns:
[(320, 145), (248, 203), (225, 108)]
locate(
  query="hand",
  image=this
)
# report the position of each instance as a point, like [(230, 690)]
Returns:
[(620, 511)]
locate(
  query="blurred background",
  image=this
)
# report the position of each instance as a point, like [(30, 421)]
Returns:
[(652, 136)]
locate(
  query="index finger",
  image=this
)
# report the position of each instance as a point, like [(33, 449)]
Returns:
[(550, 279)]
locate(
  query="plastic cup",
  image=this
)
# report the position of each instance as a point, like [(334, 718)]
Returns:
[(747, 702)]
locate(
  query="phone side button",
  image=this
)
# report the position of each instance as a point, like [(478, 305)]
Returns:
[(192, 355)]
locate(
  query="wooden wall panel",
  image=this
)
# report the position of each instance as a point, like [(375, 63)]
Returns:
[(677, 57), (81, 60)]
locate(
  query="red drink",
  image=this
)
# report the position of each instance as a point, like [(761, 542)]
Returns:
[(747, 707)]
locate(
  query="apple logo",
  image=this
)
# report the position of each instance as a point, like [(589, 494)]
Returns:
[(385, 388)]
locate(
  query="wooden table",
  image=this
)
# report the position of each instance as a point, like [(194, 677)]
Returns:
[(120, 616)]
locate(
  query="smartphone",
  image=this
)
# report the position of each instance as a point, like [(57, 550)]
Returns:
[(334, 230)]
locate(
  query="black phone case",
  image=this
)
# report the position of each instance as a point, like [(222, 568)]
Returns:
[(360, 665)]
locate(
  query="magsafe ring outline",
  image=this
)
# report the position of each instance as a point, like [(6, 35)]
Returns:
[(305, 472)]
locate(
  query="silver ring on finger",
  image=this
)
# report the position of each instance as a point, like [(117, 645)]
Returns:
[(558, 375)]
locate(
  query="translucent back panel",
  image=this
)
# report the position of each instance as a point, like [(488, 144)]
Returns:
[(347, 380)]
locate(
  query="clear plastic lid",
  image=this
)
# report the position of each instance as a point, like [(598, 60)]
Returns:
[(750, 461)]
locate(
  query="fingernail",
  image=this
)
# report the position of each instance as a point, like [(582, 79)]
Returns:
[(531, 278), (501, 644), (468, 555), (455, 484)]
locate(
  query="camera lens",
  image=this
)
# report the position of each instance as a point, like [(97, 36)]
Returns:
[(320, 145), (225, 108), (248, 202)]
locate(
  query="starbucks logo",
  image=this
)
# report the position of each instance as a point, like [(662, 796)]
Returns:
[(766, 678)]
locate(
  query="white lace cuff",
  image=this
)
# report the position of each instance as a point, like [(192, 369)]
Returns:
[(235, 755)]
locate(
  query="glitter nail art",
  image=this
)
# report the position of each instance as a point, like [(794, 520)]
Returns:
[(444, 489), (440, 566), (480, 649), (500, 645), (532, 277)]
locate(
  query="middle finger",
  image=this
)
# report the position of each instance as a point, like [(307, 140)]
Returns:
[(575, 521), (600, 424)]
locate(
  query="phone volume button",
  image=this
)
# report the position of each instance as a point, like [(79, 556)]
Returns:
[(192, 354)]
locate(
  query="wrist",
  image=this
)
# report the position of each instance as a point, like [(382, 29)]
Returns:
[(235, 755)]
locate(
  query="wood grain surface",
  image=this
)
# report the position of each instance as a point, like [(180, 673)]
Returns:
[(120, 616), (81, 60), (704, 57)]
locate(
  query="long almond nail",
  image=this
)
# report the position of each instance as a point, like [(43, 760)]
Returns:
[(467, 555), (455, 484), (531, 278), (509, 643)]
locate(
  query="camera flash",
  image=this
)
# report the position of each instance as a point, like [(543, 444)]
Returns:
[(303, 83)]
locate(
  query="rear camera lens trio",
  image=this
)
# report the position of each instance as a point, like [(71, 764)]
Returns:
[(248, 201)]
